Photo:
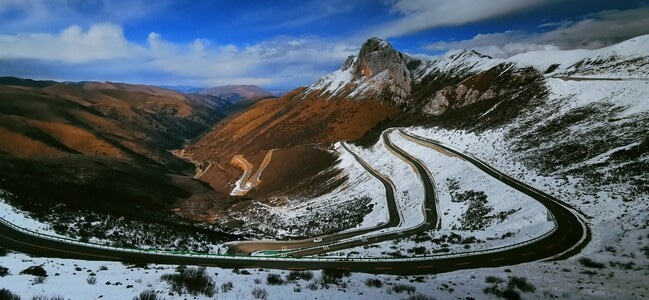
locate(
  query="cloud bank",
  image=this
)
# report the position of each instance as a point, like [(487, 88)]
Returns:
[(590, 32), (281, 61)]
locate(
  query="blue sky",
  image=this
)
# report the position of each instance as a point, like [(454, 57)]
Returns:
[(283, 44)]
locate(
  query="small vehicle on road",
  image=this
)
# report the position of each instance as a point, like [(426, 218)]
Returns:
[(317, 240)]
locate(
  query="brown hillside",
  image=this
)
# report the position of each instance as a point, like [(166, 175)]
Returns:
[(297, 124)]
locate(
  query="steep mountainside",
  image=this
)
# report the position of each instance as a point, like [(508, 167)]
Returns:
[(538, 99), (101, 147)]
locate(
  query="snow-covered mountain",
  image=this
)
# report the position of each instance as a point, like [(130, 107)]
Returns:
[(380, 72)]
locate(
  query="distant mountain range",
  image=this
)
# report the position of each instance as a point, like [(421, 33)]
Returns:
[(237, 93)]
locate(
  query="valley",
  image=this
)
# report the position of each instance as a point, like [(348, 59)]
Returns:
[(391, 165)]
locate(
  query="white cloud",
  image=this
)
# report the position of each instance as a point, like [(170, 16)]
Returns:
[(72, 45), (48, 15), (419, 15), (280, 62), (590, 32)]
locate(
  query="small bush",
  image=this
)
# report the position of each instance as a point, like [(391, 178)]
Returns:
[(3, 271), (374, 282), (190, 280), (39, 279), (91, 280), (3, 252), (493, 279), (259, 293), (522, 284), (226, 287), (275, 279), (257, 281), (104, 268), (147, 295), (34, 270), (419, 296), (312, 286), (8, 295), (589, 263), (295, 275), (399, 288), (333, 276)]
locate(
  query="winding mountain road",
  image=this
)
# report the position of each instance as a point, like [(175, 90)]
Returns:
[(570, 235)]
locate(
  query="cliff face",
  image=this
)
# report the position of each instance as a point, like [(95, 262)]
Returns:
[(378, 72)]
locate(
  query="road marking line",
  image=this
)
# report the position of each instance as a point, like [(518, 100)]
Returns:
[(526, 254), (424, 267), (548, 247), (563, 238), (497, 259), (463, 263)]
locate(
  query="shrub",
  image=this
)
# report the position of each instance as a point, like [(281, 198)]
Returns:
[(259, 293), (589, 263), (226, 287), (147, 295), (374, 282), (398, 288), (312, 286), (91, 280), (104, 268), (493, 279), (34, 270), (8, 295), (275, 279), (3, 271), (295, 275), (190, 280), (3, 252), (522, 284), (333, 276), (419, 296), (39, 279)]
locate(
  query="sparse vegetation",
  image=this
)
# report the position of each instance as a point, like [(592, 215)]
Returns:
[(512, 290), (275, 279), (39, 279), (35, 270), (419, 296), (147, 295), (259, 293), (91, 280), (303, 275), (4, 271), (226, 287), (400, 288), (6, 294), (334, 276), (374, 282), (589, 263), (190, 280)]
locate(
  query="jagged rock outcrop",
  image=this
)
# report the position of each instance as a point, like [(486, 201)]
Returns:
[(378, 72)]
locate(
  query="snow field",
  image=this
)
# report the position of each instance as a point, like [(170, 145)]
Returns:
[(360, 183)]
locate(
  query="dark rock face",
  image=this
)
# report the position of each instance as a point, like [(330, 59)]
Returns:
[(385, 68)]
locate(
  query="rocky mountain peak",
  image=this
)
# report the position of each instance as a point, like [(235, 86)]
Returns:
[(378, 71)]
